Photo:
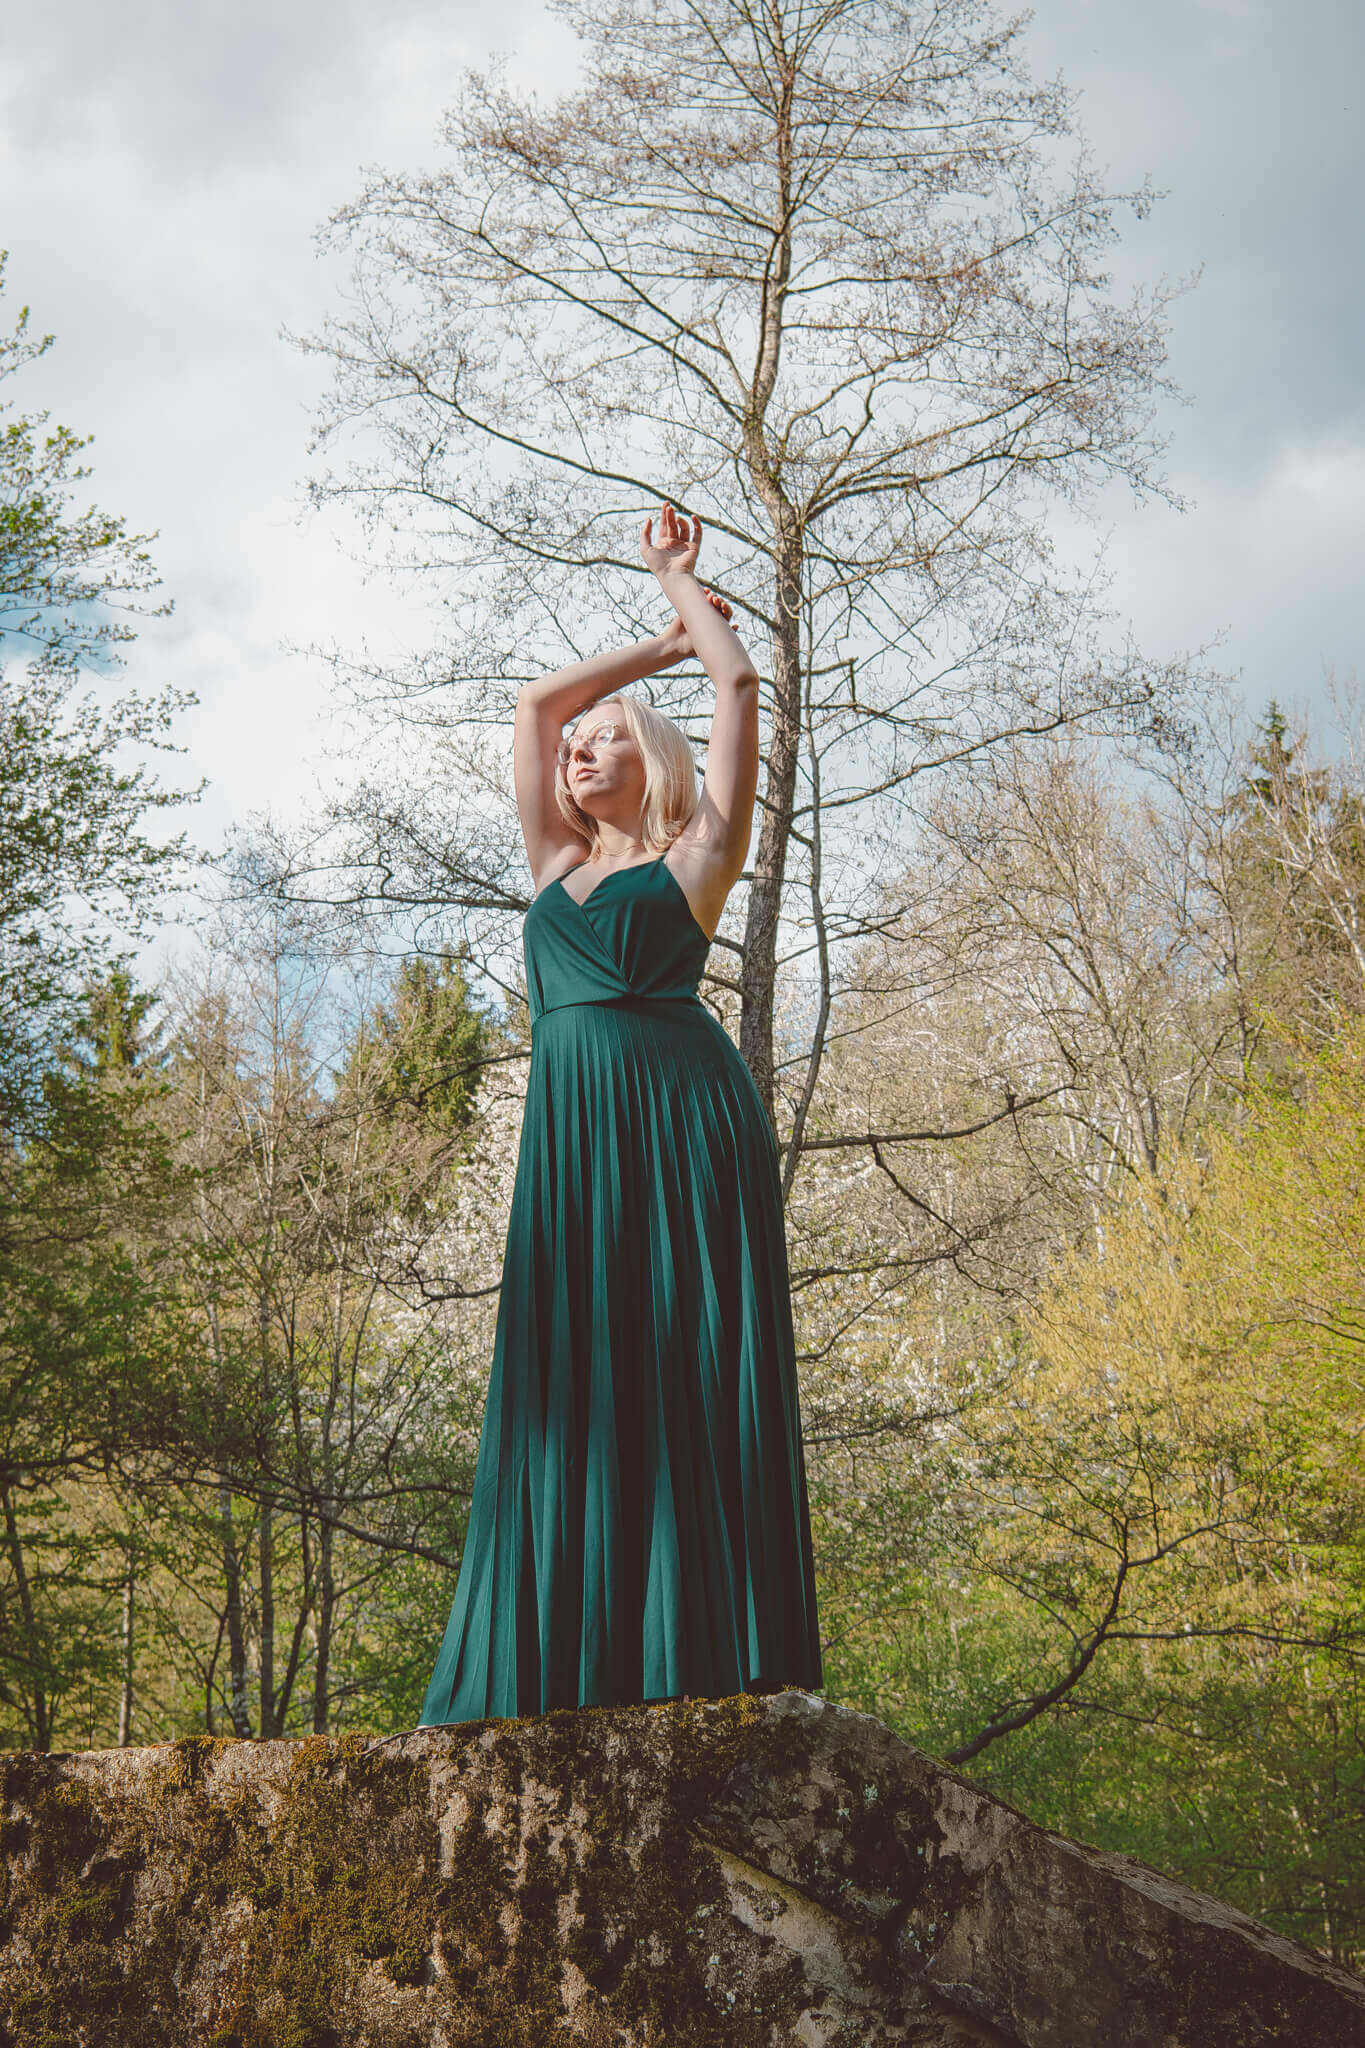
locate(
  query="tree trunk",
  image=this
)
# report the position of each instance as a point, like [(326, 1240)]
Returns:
[(759, 972), (239, 1708), (265, 1554), (125, 1704), (325, 1611), (39, 1705)]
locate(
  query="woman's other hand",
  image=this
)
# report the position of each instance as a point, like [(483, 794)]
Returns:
[(676, 642)]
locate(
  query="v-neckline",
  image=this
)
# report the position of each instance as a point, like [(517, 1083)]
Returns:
[(635, 865), (583, 902)]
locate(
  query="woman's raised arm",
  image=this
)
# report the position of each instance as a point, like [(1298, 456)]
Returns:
[(717, 837)]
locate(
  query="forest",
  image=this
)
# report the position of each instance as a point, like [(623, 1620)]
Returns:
[(1050, 970)]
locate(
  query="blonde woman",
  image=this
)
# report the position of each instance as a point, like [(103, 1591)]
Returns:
[(639, 1527)]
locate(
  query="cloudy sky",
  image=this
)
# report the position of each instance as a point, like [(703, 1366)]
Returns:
[(163, 168)]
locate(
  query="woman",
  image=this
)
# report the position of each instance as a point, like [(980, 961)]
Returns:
[(639, 1527)]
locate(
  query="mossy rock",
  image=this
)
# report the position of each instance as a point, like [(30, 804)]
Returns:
[(743, 1873)]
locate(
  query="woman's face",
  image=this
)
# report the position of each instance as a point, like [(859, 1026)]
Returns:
[(605, 777)]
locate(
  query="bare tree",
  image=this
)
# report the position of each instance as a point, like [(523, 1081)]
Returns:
[(334, 1427), (1114, 949), (831, 276), (1101, 942)]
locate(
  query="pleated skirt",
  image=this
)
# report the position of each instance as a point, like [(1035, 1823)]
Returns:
[(639, 1528)]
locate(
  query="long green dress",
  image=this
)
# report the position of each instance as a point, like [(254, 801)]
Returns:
[(639, 1528)]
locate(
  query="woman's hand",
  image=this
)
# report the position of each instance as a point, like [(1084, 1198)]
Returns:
[(674, 553), (676, 642)]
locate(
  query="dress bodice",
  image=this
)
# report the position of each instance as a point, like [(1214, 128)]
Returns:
[(634, 937)]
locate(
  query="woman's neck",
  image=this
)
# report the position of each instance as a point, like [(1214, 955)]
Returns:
[(621, 854)]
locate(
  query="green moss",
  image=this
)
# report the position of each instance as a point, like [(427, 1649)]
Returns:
[(326, 1898), (73, 1905), (288, 1892)]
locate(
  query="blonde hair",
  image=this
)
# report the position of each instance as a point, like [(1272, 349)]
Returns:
[(671, 794)]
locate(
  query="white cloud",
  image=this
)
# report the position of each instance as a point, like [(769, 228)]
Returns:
[(1329, 478), (164, 174), (164, 169)]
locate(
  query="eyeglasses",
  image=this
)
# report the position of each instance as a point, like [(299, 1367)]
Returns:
[(602, 737)]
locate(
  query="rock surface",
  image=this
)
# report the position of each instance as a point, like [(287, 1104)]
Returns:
[(744, 1873)]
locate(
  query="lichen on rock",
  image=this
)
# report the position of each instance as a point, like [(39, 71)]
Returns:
[(741, 1873)]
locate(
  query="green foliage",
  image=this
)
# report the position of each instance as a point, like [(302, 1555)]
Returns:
[(295, 1504), (431, 1040), (412, 1072), (87, 1346), (79, 868), (67, 577), (1134, 1600), (84, 1172), (116, 1033), (79, 873)]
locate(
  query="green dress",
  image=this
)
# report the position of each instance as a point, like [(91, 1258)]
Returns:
[(639, 1528)]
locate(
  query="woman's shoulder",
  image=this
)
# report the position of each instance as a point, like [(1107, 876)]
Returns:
[(558, 865), (705, 876)]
